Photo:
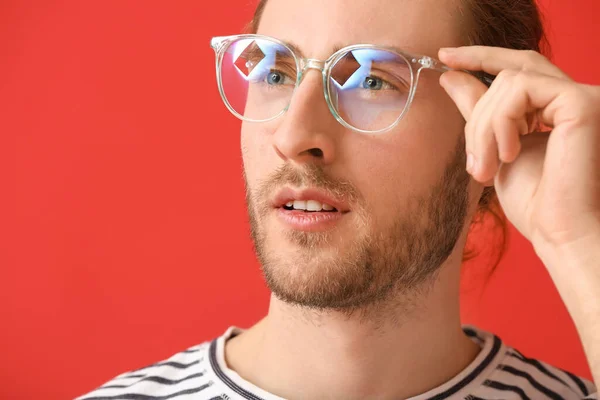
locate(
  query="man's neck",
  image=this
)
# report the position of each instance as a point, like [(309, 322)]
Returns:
[(297, 354)]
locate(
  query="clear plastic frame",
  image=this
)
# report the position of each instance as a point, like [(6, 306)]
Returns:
[(367, 88)]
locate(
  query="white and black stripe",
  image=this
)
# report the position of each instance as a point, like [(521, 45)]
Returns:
[(225, 378), (493, 353), (504, 387), (199, 373), (558, 375)]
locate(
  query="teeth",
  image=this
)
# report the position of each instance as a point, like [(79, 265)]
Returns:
[(312, 205), (309, 205), (299, 205)]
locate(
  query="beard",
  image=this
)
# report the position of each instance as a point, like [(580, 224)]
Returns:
[(350, 271)]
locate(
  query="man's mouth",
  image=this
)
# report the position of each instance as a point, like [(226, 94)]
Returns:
[(309, 210), (310, 200), (308, 206)]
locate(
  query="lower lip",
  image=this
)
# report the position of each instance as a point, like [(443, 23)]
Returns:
[(309, 221)]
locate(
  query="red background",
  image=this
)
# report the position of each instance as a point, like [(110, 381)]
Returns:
[(129, 239)]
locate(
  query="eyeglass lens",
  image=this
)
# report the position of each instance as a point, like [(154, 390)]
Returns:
[(368, 88)]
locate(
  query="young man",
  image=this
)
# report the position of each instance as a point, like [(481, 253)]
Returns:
[(360, 206)]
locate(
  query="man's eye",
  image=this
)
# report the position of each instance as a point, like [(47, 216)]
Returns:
[(375, 83), (275, 78), (278, 78)]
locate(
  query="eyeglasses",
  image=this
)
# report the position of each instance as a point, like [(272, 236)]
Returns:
[(367, 88)]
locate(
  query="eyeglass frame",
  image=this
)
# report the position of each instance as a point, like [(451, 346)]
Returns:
[(419, 61)]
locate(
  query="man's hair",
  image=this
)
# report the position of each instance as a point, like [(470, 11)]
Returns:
[(513, 24)]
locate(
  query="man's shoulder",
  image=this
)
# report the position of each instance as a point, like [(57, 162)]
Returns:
[(179, 375), (525, 377), (503, 372)]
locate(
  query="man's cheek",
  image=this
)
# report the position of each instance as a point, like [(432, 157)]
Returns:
[(255, 159), (251, 166)]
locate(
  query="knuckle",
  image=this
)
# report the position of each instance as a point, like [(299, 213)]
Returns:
[(531, 59), (504, 75), (516, 81), (584, 102), (521, 77)]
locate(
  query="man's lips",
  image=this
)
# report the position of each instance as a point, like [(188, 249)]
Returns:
[(287, 195)]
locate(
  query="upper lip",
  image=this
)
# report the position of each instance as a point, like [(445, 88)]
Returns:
[(286, 195)]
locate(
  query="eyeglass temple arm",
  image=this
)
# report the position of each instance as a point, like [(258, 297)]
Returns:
[(217, 41), (431, 63)]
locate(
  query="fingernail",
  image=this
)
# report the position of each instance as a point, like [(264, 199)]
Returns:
[(470, 162)]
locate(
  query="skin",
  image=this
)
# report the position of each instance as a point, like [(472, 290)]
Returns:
[(374, 344), (548, 183)]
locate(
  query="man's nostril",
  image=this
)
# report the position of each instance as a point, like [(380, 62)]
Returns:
[(315, 152)]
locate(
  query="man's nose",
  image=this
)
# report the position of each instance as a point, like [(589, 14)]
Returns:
[(308, 132)]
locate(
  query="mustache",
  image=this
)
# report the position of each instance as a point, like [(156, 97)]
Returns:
[(310, 175)]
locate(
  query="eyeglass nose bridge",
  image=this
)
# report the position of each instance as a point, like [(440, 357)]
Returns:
[(331, 98), (311, 63)]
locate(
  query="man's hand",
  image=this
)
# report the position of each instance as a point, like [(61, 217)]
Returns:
[(548, 183)]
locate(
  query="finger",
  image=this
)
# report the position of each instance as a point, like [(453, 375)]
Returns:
[(539, 94), (495, 59), (527, 168), (465, 90), (481, 141), (514, 114), (533, 123), (508, 134)]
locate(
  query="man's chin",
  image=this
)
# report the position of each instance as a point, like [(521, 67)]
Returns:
[(313, 281)]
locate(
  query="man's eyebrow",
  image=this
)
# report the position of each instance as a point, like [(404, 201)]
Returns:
[(338, 46), (396, 49), (405, 52), (295, 49)]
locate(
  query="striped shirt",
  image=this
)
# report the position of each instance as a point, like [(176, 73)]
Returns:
[(200, 373)]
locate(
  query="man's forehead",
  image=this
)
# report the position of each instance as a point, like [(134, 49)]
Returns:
[(318, 28)]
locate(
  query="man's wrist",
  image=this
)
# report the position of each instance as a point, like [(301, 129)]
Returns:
[(574, 267), (577, 252)]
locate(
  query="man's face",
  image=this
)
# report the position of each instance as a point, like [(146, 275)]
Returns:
[(401, 197)]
